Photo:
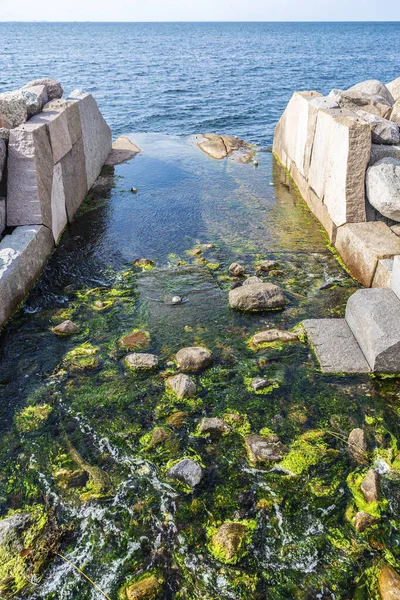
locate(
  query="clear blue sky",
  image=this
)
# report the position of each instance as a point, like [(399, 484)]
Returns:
[(200, 10)]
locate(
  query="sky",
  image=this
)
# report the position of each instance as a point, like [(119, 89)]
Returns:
[(200, 10)]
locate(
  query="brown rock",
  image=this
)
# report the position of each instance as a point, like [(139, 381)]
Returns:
[(176, 420), (66, 478), (357, 445), (236, 270), (145, 589), (143, 262), (389, 584), (214, 146), (364, 520), (182, 385), (257, 297), (138, 340), (265, 448), (214, 426), (370, 487), (159, 435), (229, 539), (274, 335), (194, 359), (65, 328), (122, 150)]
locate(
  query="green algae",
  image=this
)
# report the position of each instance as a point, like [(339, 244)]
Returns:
[(32, 418), (354, 481), (304, 453), (242, 543)]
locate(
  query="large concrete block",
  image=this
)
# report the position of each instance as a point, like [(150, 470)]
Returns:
[(22, 256), (57, 126), (30, 176), (374, 319), (340, 156), (74, 177), (335, 346), (71, 109), (96, 135), (362, 245), (58, 205), (383, 274)]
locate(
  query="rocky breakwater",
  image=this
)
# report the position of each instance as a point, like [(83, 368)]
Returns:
[(51, 152)]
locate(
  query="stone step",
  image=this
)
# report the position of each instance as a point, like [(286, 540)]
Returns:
[(335, 346), (373, 316)]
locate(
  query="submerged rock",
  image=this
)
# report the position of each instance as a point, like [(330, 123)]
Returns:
[(67, 478), (364, 520), (370, 486), (266, 265), (252, 280), (389, 584), (357, 445), (122, 150), (265, 448), (65, 328), (194, 359), (147, 588), (221, 146), (137, 340), (182, 385), (214, 426), (141, 361), (144, 263), (187, 471), (228, 542), (259, 383), (274, 335), (159, 436), (236, 270), (177, 419), (257, 297)]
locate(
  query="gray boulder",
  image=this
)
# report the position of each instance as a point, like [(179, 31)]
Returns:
[(5, 134), (394, 88), (3, 156), (373, 87), (187, 471), (395, 114), (252, 280), (383, 187), (12, 528), (214, 426), (35, 99), (182, 385), (236, 270), (257, 297), (138, 360), (383, 131), (53, 87), (13, 105), (194, 359), (379, 151), (265, 448), (354, 101)]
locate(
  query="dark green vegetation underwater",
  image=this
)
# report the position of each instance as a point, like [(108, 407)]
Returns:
[(78, 451)]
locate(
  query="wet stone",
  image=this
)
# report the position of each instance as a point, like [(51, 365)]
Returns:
[(266, 265), (143, 262), (259, 383), (65, 328), (228, 541), (274, 335), (12, 527), (194, 359), (187, 471), (257, 297), (214, 426), (252, 280), (182, 385), (265, 448), (142, 361), (363, 520), (159, 435), (177, 419), (389, 584), (370, 486), (67, 478), (236, 270), (357, 445), (176, 300), (136, 340), (145, 589)]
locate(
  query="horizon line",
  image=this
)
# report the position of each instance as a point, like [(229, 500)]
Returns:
[(197, 21)]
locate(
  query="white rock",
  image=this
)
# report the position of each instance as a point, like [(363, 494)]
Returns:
[(139, 360), (373, 87), (394, 88), (395, 114), (53, 87), (353, 101), (383, 131), (383, 187)]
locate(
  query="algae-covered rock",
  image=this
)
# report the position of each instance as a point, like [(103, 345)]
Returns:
[(357, 445), (144, 263), (68, 478), (229, 542), (27, 540), (257, 297), (147, 588), (258, 383), (363, 520), (177, 419), (273, 335), (236, 270), (194, 359), (389, 584), (137, 340), (262, 448), (32, 418), (214, 426), (370, 486), (182, 385), (186, 471)]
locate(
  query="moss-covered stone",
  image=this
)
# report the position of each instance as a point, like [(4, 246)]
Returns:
[(229, 542)]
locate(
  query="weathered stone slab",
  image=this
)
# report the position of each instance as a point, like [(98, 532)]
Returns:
[(71, 109), (335, 346), (396, 276), (122, 150), (374, 318), (74, 176), (383, 274), (58, 211), (379, 151), (30, 176), (57, 127), (2, 215), (22, 256), (361, 245), (339, 161), (96, 135)]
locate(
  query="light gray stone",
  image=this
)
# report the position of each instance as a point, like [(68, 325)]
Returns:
[(138, 360), (182, 385), (36, 100), (252, 280), (12, 528), (354, 101), (3, 157), (53, 87), (67, 327), (187, 471), (214, 426), (57, 127), (194, 359), (236, 270), (379, 151), (274, 335), (257, 297), (96, 135), (22, 256), (336, 348), (265, 448), (123, 149), (5, 134), (58, 211), (383, 274), (324, 102), (396, 276), (30, 176), (258, 383), (374, 318), (373, 87), (383, 131), (71, 109), (73, 167), (395, 114), (394, 88), (383, 187), (13, 106)]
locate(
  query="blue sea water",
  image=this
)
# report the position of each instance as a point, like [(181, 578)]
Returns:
[(186, 78)]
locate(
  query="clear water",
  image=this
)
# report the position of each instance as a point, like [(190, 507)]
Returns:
[(188, 78), (303, 545)]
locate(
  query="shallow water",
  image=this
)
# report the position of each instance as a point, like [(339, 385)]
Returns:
[(84, 399)]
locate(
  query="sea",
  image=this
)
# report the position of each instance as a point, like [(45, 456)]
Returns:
[(189, 78)]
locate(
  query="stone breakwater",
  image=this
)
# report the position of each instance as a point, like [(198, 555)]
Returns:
[(343, 153), (51, 152)]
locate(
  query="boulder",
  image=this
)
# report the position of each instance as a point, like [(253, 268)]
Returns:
[(122, 150), (266, 265), (355, 101), (228, 541), (187, 471), (182, 385), (389, 584), (35, 98), (71, 109), (274, 335), (394, 88), (395, 114), (257, 297), (147, 588), (383, 131), (5, 123), (379, 151), (137, 360), (258, 383), (214, 146), (236, 270), (177, 419), (214, 426), (383, 187), (5, 134), (363, 520), (324, 102), (159, 435), (252, 280), (65, 328), (13, 107), (3, 157), (194, 359), (373, 87), (265, 448), (370, 486), (53, 87), (357, 445)]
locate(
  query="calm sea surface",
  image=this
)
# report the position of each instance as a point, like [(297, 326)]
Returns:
[(186, 78)]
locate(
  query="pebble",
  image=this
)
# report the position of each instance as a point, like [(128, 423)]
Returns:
[(134, 190), (176, 300), (259, 384)]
